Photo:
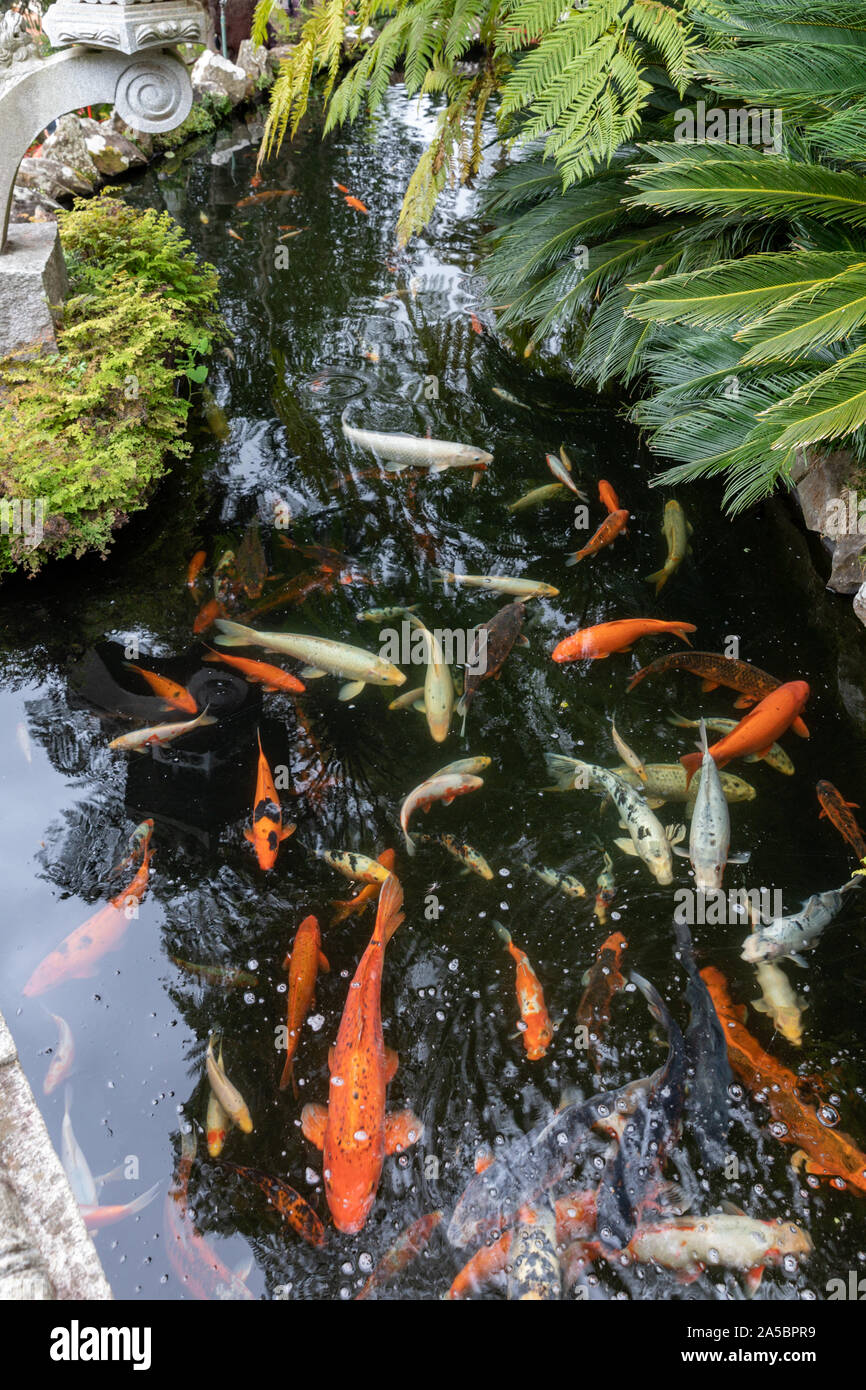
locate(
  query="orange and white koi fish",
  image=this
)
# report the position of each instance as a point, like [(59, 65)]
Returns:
[(368, 894), (610, 528), (303, 963), (356, 204), (575, 1220), (174, 695), (441, 787), (838, 812), (536, 1026), (262, 673), (406, 1248), (217, 1120), (78, 953), (353, 1130), (64, 1056), (596, 643), (199, 1269), (758, 730), (290, 1204), (140, 739), (97, 1217), (602, 981), (267, 830)]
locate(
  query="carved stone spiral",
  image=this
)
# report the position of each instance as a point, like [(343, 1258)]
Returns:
[(154, 94)]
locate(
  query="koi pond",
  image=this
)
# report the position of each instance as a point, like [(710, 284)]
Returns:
[(329, 321)]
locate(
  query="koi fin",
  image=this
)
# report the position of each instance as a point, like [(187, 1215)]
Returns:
[(742, 858), (250, 835), (285, 831), (312, 673), (289, 1076), (389, 913), (323, 962), (402, 1130), (714, 685), (350, 690), (752, 1280), (626, 846), (654, 802), (392, 1062), (674, 833), (798, 960), (288, 961), (314, 1118), (682, 853), (420, 706), (659, 578), (800, 728)]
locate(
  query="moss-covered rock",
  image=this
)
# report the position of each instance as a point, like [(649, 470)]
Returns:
[(87, 433)]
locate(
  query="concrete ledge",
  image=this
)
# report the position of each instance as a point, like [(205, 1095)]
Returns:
[(32, 277), (45, 1247)]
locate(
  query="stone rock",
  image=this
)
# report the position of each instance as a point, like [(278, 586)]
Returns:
[(32, 277), (254, 61), (142, 138), (860, 604), (212, 70), (849, 570), (49, 176), (30, 206), (67, 145), (832, 510), (278, 53), (111, 152)]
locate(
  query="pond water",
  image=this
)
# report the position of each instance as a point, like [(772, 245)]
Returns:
[(346, 322)]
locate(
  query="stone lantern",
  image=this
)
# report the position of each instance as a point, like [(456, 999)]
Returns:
[(116, 51)]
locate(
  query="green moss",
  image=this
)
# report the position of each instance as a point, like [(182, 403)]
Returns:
[(208, 112), (89, 429)]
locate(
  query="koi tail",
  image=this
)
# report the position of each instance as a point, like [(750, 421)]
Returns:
[(659, 578), (704, 746), (681, 629), (575, 559), (691, 762), (389, 914), (503, 933), (232, 634), (289, 1076)]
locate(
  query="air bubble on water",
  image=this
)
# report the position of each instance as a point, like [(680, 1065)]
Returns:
[(828, 1116), (453, 965), (778, 1130), (713, 1255), (347, 1267), (504, 872), (440, 1015), (789, 1264), (615, 916), (336, 1081), (360, 1136), (249, 997), (345, 1294), (312, 1177), (503, 907), (365, 1262), (252, 965), (316, 1021), (735, 1092), (281, 989)]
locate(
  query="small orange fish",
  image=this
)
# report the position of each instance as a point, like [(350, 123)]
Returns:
[(289, 1203), (234, 234), (256, 181), (596, 643), (97, 1217), (195, 568), (269, 193), (353, 1130), (199, 1269), (207, 616), (267, 829), (273, 678), (356, 203), (603, 980), (606, 534), (342, 187), (477, 325), (172, 694), (838, 811), (368, 894), (303, 963), (537, 1029), (287, 236), (76, 956), (406, 1248), (607, 496)]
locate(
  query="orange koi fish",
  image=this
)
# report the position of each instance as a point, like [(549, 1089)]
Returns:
[(97, 1217), (758, 730), (174, 695), (603, 980), (596, 643), (207, 615), (838, 811), (290, 1204), (267, 829), (406, 1248), (607, 496), (477, 325), (77, 955), (353, 1131), (342, 187), (823, 1151), (606, 534), (260, 672), (369, 893), (303, 963), (196, 565), (537, 1029), (233, 234), (357, 204), (268, 193)]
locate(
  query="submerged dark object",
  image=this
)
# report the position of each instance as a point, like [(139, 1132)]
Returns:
[(710, 1076), (490, 651)]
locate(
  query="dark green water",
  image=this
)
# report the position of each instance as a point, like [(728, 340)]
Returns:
[(302, 339)]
